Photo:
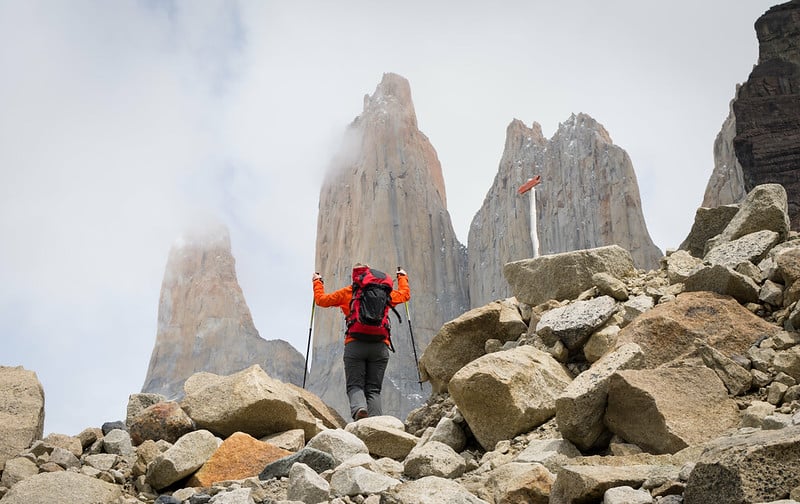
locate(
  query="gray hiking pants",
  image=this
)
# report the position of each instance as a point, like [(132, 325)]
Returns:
[(364, 365)]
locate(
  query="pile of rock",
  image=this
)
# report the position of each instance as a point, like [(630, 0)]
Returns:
[(597, 382)]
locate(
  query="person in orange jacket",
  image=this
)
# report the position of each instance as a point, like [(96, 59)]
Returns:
[(364, 361)]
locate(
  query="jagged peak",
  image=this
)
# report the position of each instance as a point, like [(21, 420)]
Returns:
[(393, 94), (582, 122)]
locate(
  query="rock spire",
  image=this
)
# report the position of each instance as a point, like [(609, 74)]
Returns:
[(204, 323), (383, 203), (589, 197)]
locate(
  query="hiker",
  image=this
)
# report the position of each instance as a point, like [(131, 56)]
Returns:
[(367, 341)]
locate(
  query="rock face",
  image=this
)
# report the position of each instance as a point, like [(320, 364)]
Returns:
[(767, 111), (588, 198), (21, 411), (501, 230), (204, 323), (726, 185), (383, 203)]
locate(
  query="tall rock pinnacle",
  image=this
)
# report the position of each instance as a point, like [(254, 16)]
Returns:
[(501, 230), (588, 197), (204, 323), (383, 203), (767, 109)]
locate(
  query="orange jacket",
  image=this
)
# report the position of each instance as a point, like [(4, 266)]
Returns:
[(343, 296)]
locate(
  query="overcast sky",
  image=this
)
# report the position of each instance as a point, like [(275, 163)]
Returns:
[(124, 123)]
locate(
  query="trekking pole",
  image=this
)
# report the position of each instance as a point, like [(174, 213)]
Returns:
[(308, 345), (413, 345)]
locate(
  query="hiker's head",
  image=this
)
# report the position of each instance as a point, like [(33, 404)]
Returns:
[(359, 265)]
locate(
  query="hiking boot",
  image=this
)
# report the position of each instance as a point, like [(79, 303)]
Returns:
[(361, 413)]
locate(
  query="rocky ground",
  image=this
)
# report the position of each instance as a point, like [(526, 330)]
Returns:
[(597, 382)]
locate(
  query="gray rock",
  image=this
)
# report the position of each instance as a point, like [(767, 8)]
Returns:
[(564, 275), (575, 322), (627, 495), (234, 496), (449, 432), (359, 481), (138, 402), (736, 379), (635, 307), (434, 459), (493, 392), (761, 466), (600, 343), (118, 442), (764, 208), (581, 407), (723, 280), (305, 485), (317, 460), (588, 483), (384, 436), (21, 411), (64, 458), (708, 223), (680, 266), (252, 402), (749, 248), (609, 285), (771, 293), (340, 444), (186, 456), (430, 490), (64, 486), (16, 470), (520, 482), (667, 409), (463, 339)]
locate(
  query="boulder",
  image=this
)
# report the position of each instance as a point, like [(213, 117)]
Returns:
[(186, 456), (581, 406), (139, 402), (751, 247), (757, 466), (21, 411), (359, 481), (292, 440), (340, 444), (317, 460), (434, 459), (118, 442), (609, 285), (723, 280), (668, 331), (16, 470), (248, 401), (463, 340), (507, 393), (588, 483), (787, 265), (680, 265), (564, 275), (708, 223), (764, 208), (449, 432), (736, 379), (667, 409), (520, 482), (240, 456), (306, 486), (385, 436), (163, 420), (430, 490), (574, 323), (63, 486)]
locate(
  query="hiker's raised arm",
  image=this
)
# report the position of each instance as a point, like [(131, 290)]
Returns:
[(403, 292)]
